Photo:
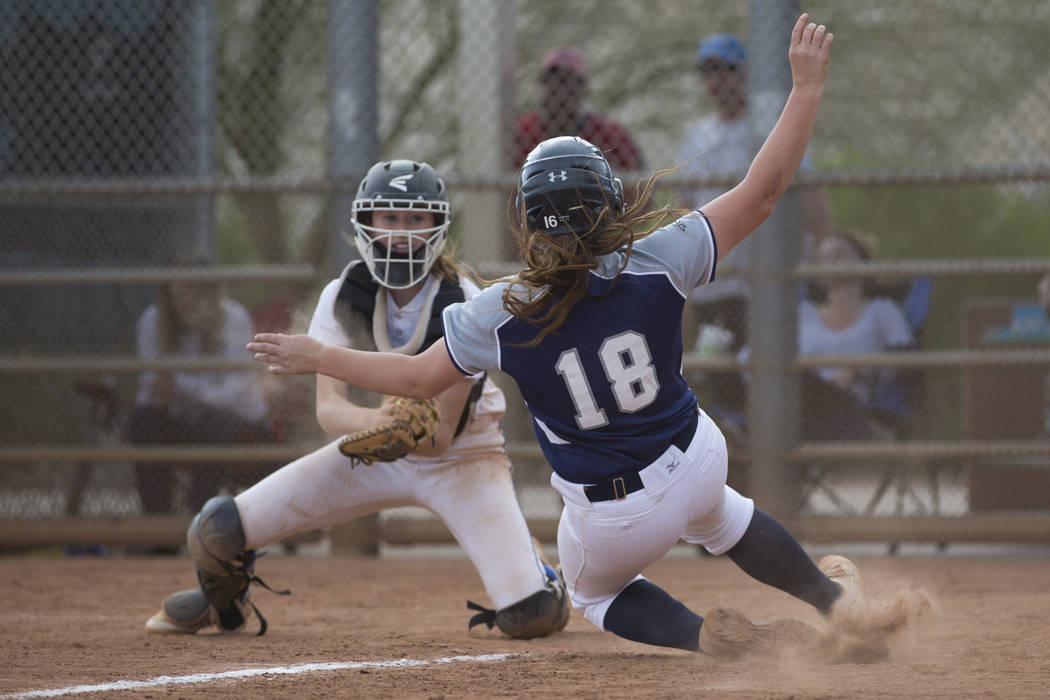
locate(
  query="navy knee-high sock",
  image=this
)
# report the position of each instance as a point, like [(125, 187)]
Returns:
[(769, 553), (644, 612)]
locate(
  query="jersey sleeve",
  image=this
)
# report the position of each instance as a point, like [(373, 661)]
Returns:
[(323, 325), (470, 331), (685, 249), (470, 290)]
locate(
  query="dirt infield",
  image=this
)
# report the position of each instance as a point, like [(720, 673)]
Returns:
[(75, 622)]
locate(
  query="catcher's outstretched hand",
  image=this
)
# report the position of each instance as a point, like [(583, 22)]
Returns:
[(286, 354)]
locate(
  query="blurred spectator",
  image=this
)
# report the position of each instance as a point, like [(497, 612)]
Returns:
[(180, 407), (720, 145), (563, 81), (844, 316), (1043, 294)]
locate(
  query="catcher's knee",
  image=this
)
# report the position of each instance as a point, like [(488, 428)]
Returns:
[(216, 535), (224, 568), (542, 613)]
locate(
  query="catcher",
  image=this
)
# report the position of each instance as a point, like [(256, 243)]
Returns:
[(439, 454)]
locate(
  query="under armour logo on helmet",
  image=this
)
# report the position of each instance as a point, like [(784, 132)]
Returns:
[(401, 182), (560, 175)]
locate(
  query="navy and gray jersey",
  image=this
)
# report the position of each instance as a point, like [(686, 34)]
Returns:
[(605, 390)]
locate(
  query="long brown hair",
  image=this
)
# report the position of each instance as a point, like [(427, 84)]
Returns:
[(447, 266), (863, 245), (558, 267), (171, 327)]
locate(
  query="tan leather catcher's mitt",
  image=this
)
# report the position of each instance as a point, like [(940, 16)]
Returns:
[(413, 422)]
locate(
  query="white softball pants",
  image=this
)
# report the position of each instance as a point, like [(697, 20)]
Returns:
[(604, 546), (473, 495)]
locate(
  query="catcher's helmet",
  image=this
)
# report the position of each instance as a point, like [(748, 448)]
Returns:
[(400, 184), (565, 185)]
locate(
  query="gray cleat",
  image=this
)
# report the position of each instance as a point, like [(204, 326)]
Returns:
[(184, 612)]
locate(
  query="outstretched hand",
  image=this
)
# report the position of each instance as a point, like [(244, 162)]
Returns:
[(286, 354), (809, 53)]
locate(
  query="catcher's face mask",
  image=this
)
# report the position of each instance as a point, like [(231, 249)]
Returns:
[(400, 241)]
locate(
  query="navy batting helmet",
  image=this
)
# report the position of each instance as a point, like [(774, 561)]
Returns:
[(400, 184), (565, 185)]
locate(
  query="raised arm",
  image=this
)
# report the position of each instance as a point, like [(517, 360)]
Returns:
[(419, 376), (739, 211)]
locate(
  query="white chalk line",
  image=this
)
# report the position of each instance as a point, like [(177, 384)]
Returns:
[(249, 673)]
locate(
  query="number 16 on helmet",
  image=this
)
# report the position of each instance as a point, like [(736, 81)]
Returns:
[(566, 186)]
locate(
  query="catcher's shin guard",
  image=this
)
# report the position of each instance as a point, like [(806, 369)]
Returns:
[(225, 569), (542, 613)]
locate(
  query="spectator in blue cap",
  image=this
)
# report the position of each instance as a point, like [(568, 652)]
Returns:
[(720, 143), (724, 48), (722, 60)]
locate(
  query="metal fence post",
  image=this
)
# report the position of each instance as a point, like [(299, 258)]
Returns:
[(204, 132), (484, 94), (353, 104), (353, 80), (774, 399)]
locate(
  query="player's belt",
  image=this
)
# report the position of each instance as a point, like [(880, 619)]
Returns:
[(616, 488)]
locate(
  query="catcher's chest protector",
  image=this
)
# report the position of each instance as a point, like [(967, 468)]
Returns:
[(355, 307)]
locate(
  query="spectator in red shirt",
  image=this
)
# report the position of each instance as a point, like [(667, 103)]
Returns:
[(563, 83)]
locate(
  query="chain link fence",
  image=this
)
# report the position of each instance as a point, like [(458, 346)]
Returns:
[(877, 353)]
